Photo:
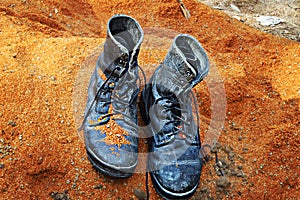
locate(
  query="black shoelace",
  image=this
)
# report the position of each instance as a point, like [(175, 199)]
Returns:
[(203, 155), (104, 88), (107, 87)]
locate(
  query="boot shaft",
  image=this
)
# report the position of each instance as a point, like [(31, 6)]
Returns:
[(121, 48), (187, 56)]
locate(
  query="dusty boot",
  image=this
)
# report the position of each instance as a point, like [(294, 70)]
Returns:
[(110, 124), (167, 107)]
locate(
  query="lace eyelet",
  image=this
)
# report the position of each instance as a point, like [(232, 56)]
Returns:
[(188, 73)]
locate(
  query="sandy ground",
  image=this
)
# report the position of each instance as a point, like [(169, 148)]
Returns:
[(288, 11), (45, 46)]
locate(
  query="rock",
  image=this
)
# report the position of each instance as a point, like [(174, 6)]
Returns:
[(100, 186), (60, 196), (141, 195), (223, 182), (224, 164), (227, 149), (241, 174), (240, 138), (269, 20), (233, 172), (204, 189), (12, 123), (231, 155), (235, 8)]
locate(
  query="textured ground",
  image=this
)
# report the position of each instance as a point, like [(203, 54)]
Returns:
[(248, 12), (43, 45)]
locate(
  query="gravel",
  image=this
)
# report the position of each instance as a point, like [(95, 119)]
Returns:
[(223, 182), (60, 196), (140, 195), (218, 186)]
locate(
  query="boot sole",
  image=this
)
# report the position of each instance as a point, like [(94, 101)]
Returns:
[(104, 169), (169, 195)]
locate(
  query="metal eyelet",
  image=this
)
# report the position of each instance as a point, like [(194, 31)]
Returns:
[(188, 73), (122, 60)]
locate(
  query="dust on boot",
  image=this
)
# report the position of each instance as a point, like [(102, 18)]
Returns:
[(110, 124), (167, 107)]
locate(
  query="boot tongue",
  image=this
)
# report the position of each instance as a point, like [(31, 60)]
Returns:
[(188, 67), (172, 80), (188, 71)]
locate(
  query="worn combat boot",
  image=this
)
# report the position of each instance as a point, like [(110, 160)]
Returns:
[(167, 107), (110, 124)]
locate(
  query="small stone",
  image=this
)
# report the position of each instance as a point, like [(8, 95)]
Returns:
[(227, 149), (204, 190), (233, 172), (240, 138), (241, 158), (269, 20), (224, 164), (241, 174), (223, 182), (99, 186), (245, 150), (231, 155), (235, 8), (12, 123), (141, 195), (60, 196), (1, 166)]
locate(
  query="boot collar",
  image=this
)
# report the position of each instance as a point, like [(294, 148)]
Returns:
[(187, 55), (123, 41)]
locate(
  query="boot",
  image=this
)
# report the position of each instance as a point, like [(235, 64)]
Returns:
[(167, 107), (110, 124)]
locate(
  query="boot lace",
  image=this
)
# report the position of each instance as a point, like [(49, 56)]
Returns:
[(104, 98), (177, 116), (170, 108)]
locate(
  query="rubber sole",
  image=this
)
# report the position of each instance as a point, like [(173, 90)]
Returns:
[(163, 192), (168, 195), (104, 169)]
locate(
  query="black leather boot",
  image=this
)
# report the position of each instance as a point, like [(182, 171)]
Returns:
[(167, 107), (110, 124)]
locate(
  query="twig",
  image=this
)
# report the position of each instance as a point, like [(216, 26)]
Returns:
[(184, 10)]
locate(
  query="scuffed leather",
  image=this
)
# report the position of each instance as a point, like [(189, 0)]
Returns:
[(121, 48), (174, 162)]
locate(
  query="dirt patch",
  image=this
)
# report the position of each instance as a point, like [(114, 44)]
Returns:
[(43, 45), (249, 11)]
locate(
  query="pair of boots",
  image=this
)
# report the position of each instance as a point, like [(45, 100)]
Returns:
[(111, 122)]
